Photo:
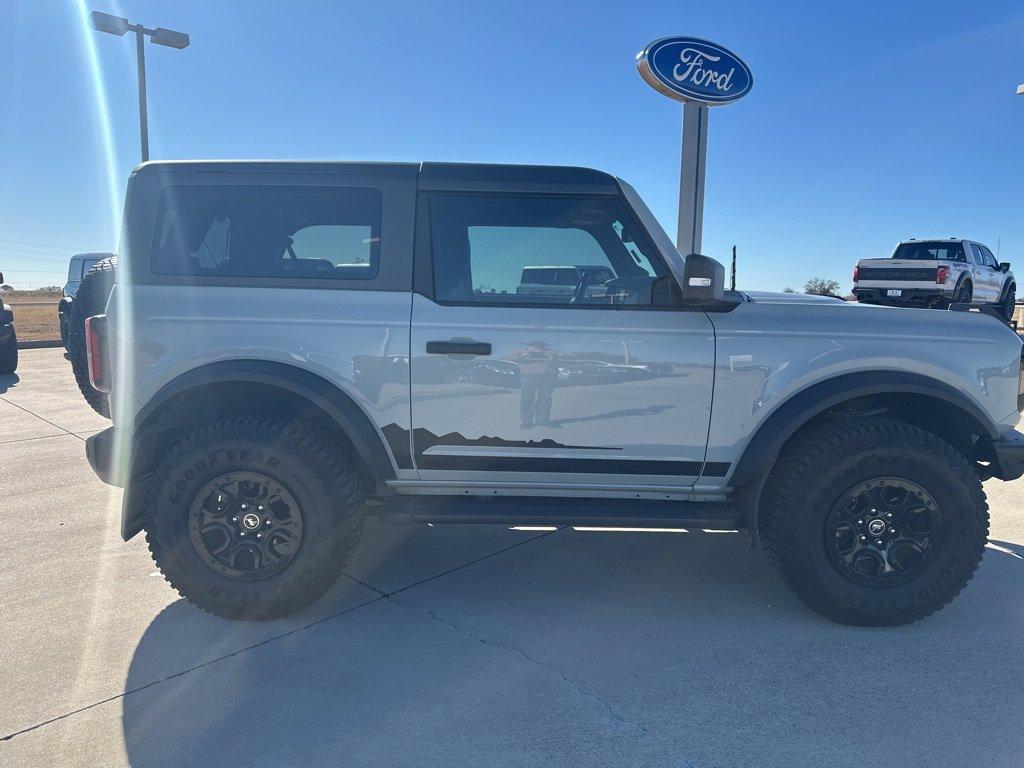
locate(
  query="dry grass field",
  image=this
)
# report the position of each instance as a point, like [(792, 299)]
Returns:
[(35, 315)]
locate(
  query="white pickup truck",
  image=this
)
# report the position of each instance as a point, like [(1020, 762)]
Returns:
[(936, 273)]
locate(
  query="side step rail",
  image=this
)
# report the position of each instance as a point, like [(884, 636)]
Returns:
[(534, 510)]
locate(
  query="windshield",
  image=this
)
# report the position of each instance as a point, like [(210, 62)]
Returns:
[(930, 251)]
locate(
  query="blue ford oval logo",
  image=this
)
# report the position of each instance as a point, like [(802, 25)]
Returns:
[(690, 69)]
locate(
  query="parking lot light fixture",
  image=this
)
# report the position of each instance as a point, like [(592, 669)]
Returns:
[(117, 25)]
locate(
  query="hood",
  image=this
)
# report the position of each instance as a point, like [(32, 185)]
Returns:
[(791, 298)]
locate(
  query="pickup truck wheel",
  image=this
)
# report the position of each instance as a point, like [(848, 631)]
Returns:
[(886, 532), (254, 517), (1009, 302), (91, 299), (964, 293)]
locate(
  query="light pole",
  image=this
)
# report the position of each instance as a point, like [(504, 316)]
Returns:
[(116, 25)]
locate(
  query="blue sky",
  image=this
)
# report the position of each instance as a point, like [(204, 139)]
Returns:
[(868, 122)]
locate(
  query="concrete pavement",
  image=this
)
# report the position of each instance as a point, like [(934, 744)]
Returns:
[(471, 645)]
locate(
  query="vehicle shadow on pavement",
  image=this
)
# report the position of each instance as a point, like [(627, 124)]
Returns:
[(585, 648)]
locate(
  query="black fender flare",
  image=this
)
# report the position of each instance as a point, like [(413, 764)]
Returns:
[(764, 447), (64, 306), (328, 397)]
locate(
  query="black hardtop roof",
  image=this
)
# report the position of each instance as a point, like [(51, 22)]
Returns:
[(432, 176)]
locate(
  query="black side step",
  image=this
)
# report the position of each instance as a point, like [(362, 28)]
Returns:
[(536, 510)]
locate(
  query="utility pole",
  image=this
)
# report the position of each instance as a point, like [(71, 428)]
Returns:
[(116, 25)]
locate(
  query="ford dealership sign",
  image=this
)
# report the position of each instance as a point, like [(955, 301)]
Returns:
[(690, 69)]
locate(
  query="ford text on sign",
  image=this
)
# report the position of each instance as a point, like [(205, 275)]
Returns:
[(690, 69)]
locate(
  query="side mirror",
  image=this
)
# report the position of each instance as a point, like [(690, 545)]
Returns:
[(1003, 265), (704, 283)]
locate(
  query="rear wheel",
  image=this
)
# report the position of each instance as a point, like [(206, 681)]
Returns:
[(964, 293), (886, 532), (9, 355), (254, 517), (91, 299)]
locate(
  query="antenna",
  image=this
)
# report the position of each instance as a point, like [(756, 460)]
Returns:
[(999, 246), (733, 281)]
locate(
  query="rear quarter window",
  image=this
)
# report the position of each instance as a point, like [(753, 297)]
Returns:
[(268, 231)]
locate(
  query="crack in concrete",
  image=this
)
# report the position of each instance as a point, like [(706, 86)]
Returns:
[(565, 678), (381, 596), (41, 418)]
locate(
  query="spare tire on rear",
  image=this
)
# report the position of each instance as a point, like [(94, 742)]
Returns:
[(90, 300)]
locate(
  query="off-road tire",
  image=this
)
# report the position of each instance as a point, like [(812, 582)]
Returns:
[(964, 293), (90, 300), (9, 355), (811, 476), (62, 319), (1008, 303), (318, 473)]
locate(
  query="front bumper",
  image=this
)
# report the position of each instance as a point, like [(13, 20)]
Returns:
[(910, 297), (1008, 453)]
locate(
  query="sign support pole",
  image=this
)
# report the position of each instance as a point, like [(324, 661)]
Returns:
[(691, 177)]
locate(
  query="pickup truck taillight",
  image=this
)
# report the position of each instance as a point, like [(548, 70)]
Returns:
[(941, 274), (96, 352), (856, 274)]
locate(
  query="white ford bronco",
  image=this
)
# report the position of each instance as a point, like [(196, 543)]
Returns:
[(937, 273), (292, 346)]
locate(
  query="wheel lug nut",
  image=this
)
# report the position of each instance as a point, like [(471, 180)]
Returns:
[(259, 535), (878, 541), (243, 533), (863, 538), (234, 519), (246, 506), (888, 514), (860, 522), (892, 530)]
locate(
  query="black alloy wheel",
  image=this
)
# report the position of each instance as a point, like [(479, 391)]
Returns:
[(245, 525), (884, 532)]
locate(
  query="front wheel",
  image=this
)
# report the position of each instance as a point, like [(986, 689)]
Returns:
[(254, 517), (1008, 304), (886, 532)]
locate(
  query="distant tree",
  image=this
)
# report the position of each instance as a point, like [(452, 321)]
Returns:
[(51, 289), (787, 289), (5, 288), (819, 286)]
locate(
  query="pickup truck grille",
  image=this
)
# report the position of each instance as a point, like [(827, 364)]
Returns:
[(897, 273)]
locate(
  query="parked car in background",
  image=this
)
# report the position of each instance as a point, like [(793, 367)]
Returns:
[(8, 338), (90, 299), (78, 268), (561, 280), (291, 346), (937, 273)]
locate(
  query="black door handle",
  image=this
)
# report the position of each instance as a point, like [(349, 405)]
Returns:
[(458, 348)]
